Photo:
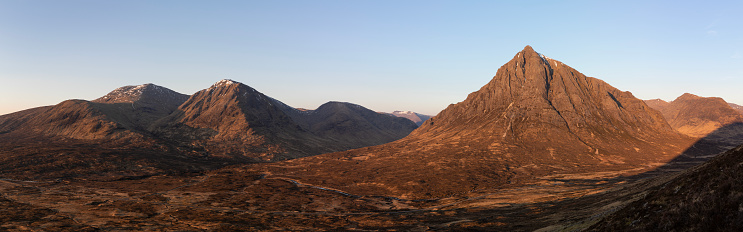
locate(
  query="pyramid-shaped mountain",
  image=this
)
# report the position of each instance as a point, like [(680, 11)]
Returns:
[(536, 117)]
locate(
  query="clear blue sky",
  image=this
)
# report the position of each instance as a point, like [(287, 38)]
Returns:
[(385, 55)]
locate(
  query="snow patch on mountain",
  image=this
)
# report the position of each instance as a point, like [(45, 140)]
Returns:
[(131, 93), (224, 82)]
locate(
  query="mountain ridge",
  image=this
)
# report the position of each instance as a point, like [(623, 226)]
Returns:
[(227, 123)]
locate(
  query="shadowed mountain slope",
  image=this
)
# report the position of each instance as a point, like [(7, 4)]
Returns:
[(350, 125), (536, 117), (705, 198), (126, 112), (138, 107), (84, 139), (234, 120)]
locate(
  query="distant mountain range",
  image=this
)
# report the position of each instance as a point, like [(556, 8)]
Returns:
[(154, 129), (739, 108), (417, 118), (710, 118), (536, 117)]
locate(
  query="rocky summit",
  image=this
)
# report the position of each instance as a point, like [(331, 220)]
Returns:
[(536, 117)]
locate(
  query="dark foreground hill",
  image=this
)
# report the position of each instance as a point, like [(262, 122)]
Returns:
[(147, 129), (536, 117), (704, 198)]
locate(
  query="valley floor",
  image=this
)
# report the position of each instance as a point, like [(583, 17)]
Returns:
[(222, 201)]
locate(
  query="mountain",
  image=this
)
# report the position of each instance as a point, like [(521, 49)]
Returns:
[(124, 112), (536, 117), (232, 120), (138, 107), (349, 124), (697, 116), (417, 118), (704, 198), (739, 108), (709, 118), (657, 104), (158, 130), (106, 138)]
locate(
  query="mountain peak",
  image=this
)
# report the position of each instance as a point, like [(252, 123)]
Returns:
[(225, 82), (533, 89), (536, 117), (528, 51), (688, 96), (131, 93), (528, 48)]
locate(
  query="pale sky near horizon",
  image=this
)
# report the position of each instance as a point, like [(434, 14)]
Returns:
[(385, 55)]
